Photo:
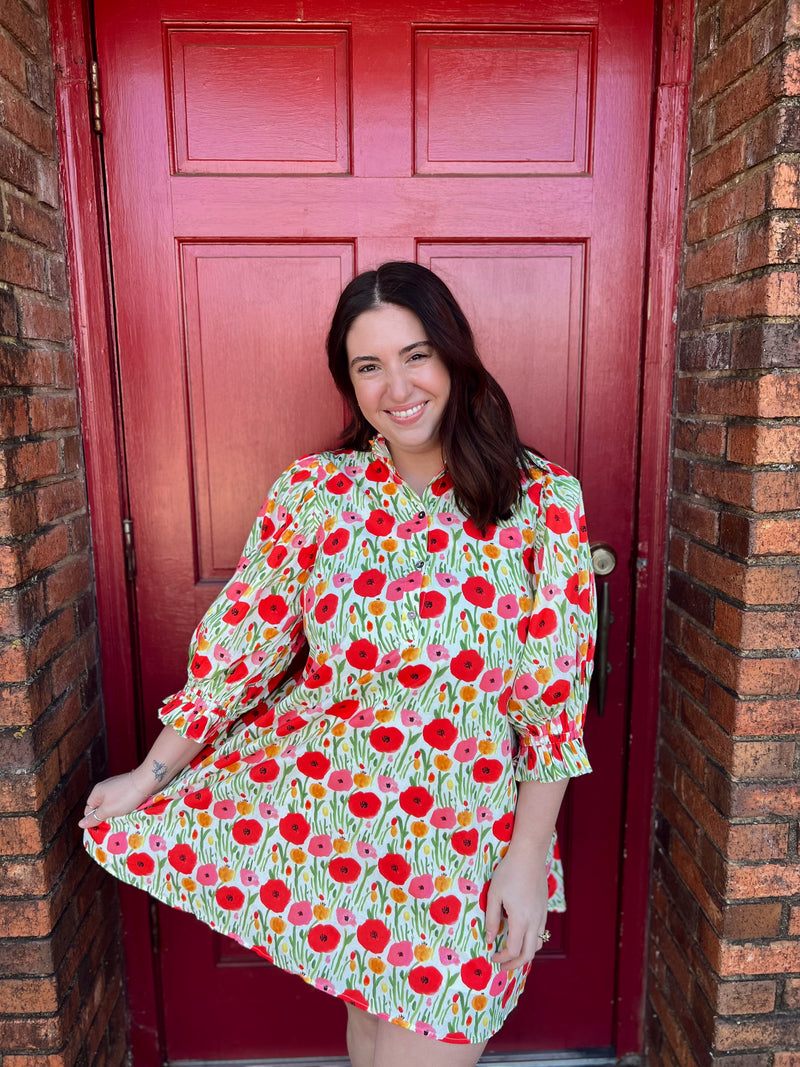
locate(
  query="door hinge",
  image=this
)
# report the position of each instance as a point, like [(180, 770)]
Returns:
[(97, 119), (130, 552)]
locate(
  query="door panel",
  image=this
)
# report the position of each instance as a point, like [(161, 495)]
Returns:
[(257, 155)]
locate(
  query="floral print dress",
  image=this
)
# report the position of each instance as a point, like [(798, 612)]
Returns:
[(345, 823)]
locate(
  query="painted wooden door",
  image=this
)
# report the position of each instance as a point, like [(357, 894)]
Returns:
[(257, 155)]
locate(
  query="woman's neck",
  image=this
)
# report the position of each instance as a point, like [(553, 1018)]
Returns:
[(418, 469)]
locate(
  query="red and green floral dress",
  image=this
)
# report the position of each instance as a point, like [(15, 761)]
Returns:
[(345, 823)]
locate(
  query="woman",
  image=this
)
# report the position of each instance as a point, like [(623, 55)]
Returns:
[(383, 823)]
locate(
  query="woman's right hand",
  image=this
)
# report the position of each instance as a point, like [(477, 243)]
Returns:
[(114, 796)]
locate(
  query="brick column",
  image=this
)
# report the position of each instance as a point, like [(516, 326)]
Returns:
[(724, 967), (60, 978)]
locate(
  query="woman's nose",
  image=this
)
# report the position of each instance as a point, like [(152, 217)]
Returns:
[(399, 384)]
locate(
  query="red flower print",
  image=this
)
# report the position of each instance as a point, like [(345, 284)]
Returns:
[(362, 655), (323, 937), (471, 530), (487, 770), (504, 827), (157, 808), (585, 600), (294, 827), (277, 556), (325, 608), (394, 868), (529, 560), (373, 935), (314, 765), (416, 800), (572, 589), (413, 675), (264, 772), (369, 583), (440, 485), (247, 831), (140, 863), (455, 1037), (557, 519), (306, 557), (272, 609), (476, 973), (337, 541), (364, 805), (236, 674), (580, 521), (465, 842), (440, 733), (557, 693), (200, 666), (425, 980), (275, 894), (380, 523), (467, 665), (535, 493), (483, 899), (197, 727), (478, 591), (523, 628), (543, 623), (354, 997), (236, 612), (344, 869), (438, 540), (386, 739), (343, 709), (200, 798), (229, 897), (319, 676), (267, 528), (182, 858), (445, 910), (377, 471), (338, 484), (431, 604), (98, 833)]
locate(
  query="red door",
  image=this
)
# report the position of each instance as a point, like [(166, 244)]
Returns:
[(257, 155)]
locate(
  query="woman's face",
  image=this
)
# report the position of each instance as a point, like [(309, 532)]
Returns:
[(400, 382)]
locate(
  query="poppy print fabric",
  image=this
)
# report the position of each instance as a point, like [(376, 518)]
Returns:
[(345, 823)]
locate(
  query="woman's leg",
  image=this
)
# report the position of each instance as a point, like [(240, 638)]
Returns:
[(397, 1047), (362, 1032)]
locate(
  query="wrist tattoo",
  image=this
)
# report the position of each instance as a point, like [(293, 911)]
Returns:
[(159, 770)]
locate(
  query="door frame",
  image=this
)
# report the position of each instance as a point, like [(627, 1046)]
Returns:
[(94, 352)]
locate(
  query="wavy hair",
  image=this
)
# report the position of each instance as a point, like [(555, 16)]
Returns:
[(480, 443)]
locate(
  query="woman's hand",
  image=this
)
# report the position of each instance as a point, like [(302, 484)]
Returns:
[(519, 891), (114, 796)]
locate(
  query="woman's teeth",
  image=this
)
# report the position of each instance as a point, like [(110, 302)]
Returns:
[(407, 413)]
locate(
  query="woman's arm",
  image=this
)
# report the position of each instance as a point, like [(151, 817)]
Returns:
[(125, 792), (518, 888)]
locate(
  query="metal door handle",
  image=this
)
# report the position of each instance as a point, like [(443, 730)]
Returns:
[(604, 560)]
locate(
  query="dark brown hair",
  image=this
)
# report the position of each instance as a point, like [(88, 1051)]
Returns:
[(480, 443)]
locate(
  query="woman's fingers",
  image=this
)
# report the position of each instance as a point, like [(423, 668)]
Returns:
[(494, 915)]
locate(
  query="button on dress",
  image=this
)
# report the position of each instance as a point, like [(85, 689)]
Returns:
[(345, 823)]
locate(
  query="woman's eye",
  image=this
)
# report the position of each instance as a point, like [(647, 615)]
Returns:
[(365, 368), (420, 355)]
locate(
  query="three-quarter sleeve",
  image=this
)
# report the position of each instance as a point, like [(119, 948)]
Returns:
[(547, 707), (254, 628)]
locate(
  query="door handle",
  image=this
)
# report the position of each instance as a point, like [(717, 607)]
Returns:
[(604, 560)]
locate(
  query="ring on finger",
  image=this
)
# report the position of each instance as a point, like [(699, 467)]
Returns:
[(88, 814), (544, 936)]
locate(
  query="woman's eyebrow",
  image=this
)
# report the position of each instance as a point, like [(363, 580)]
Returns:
[(409, 348)]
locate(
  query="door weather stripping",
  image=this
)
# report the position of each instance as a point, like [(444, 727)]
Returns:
[(130, 552)]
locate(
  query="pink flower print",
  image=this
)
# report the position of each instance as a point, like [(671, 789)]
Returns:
[(324, 985), (492, 681), (257, 658), (466, 750), (446, 580), (255, 757), (156, 843), (484, 814), (221, 655), (413, 581), (300, 913), (396, 589), (449, 957), (248, 877), (565, 663), (366, 851), (499, 982), (510, 537), (387, 662), (425, 1029), (236, 591), (281, 514), (508, 607), (268, 811), (421, 887), (387, 785), (468, 888), (243, 562), (224, 809), (320, 845), (207, 874), (443, 818), (341, 781), (362, 719), (351, 470), (447, 519), (345, 917), (117, 843), (525, 687), (309, 597), (351, 517), (410, 718), (400, 953), (289, 753), (549, 591), (298, 541), (437, 653), (342, 579), (505, 747)]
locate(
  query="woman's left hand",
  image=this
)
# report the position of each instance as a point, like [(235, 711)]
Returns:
[(518, 890)]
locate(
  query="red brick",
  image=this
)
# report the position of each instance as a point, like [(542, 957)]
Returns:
[(784, 187), (13, 416), (702, 810), (791, 994), (748, 677), (47, 550), (752, 94), (16, 164), (55, 412), (745, 998), (21, 366), (751, 799), (67, 582), (20, 611), (750, 629), (752, 444), (762, 759), (771, 295), (749, 922), (756, 1033), (753, 718), (696, 224), (22, 705), (758, 841), (28, 462), (723, 67), (31, 221), (767, 242), (12, 62), (59, 499), (745, 200), (757, 490), (42, 320), (787, 1059), (764, 880), (769, 396), (706, 351), (695, 518), (692, 877), (794, 921), (21, 24), (27, 122), (711, 261), (21, 266), (717, 167), (71, 664), (29, 792), (20, 836)]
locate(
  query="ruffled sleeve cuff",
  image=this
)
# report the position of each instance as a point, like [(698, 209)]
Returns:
[(193, 716), (549, 759)]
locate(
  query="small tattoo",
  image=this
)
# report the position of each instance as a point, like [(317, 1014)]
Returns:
[(159, 770)]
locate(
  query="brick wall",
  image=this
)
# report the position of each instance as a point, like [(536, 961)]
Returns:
[(60, 978), (724, 966)]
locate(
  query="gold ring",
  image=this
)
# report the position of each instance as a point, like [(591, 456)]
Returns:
[(545, 936)]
